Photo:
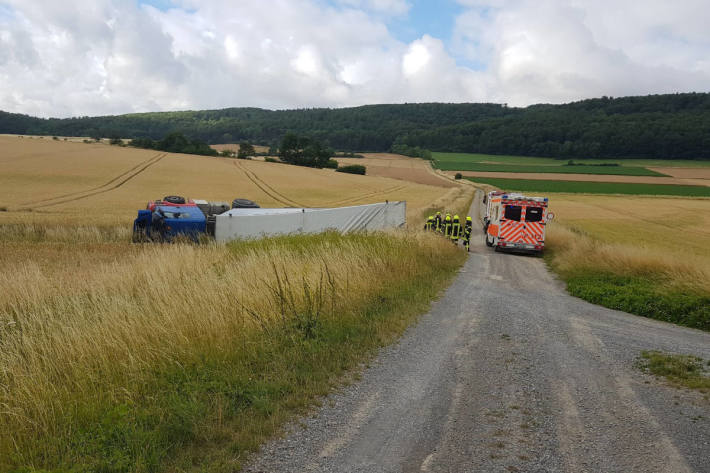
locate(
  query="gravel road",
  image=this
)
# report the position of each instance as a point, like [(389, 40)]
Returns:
[(508, 373)]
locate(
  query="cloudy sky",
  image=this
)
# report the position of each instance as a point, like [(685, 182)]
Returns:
[(95, 57)]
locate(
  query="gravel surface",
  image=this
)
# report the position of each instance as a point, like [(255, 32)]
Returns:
[(508, 373)]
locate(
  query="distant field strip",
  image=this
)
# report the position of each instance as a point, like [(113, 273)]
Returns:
[(546, 168), (673, 181), (530, 160), (114, 183), (579, 187)]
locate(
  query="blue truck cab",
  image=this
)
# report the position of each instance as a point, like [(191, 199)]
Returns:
[(164, 223)]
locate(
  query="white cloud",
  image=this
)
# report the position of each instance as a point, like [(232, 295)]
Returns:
[(92, 57), (545, 50)]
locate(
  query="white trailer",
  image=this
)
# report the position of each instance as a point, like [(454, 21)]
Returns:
[(255, 223)]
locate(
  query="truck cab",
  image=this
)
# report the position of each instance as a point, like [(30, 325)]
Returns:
[(165, 222), (516, 222)]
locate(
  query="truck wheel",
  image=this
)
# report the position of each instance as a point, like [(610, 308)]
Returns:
[(244, 204), (174, 199), (489, 240)]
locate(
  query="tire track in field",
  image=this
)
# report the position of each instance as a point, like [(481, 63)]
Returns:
[(118, 184), (266, 188), (70, 194), (368, 195)]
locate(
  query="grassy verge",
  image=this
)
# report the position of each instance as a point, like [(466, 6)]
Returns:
[(631, 279), (579, 187), (184, 358), (680, 370), (547, 168), (457, 201)]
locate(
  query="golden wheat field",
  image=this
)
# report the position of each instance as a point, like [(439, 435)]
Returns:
[(67, 183), (670, 225), (666, 237), (65, 228)]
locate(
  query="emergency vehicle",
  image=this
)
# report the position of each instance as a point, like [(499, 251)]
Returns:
[(516, 222)]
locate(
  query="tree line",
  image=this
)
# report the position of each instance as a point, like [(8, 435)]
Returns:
[(657, 126), (175, 142)]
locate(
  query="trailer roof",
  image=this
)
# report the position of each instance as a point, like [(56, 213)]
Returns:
[(285, 210)]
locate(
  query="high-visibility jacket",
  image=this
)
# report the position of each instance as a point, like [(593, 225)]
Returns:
[(467, 230), (429, 225), (437, 223), (455, 229), (447, 225)]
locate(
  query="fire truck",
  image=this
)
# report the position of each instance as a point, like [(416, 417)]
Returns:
[(516, 222)]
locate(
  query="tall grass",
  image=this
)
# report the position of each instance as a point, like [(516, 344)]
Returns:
[(39, 233), (635, 279), (183, 355), (457, 201)]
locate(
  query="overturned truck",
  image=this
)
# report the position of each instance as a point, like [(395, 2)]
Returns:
[(172, 217)]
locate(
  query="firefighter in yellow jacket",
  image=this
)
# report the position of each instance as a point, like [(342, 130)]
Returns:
[(438, 223), (467, 229), (455, 229), (429, 225), (447, 225)]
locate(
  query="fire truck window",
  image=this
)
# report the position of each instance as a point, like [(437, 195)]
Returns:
[(533, 214), (512, 212)]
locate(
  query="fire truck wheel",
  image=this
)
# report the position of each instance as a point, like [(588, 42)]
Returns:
[(489, 240)]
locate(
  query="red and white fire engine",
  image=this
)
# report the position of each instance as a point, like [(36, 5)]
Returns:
[(516, 222)]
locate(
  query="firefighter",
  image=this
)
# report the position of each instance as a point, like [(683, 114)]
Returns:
[(455, 230), (429, 225), (447, 225), (467, 229), (438, 223)]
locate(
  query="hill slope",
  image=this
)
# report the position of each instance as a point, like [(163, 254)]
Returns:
[(659, 126)]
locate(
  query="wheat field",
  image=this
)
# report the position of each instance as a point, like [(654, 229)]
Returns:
[(55, 182), (677, 228), (659, 244), (91, 325)]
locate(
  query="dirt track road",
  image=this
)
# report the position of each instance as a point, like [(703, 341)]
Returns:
[(508, 373)]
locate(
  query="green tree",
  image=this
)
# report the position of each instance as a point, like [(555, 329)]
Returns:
[(245, 150), (304, 151)]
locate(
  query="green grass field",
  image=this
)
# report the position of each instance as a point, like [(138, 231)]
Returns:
[(578, 187), (455, 161), (545, 168)]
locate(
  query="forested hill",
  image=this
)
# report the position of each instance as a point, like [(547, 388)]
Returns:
[(657, 126)]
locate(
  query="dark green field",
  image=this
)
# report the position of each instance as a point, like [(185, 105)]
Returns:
[(578, 187), (561, 169), (458, 159)]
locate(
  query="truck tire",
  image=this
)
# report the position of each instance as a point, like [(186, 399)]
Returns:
[(244, 204), (174, 199), (489, 240)]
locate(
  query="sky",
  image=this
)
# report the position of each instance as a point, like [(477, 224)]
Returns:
[(102, 57)]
